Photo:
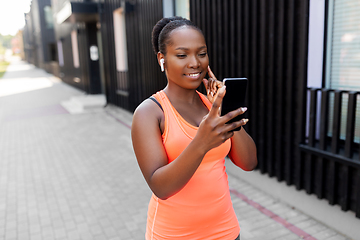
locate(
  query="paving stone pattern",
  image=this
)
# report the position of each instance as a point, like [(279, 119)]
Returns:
[(75, 177)]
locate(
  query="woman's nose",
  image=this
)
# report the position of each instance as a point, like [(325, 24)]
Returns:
[(194, 62)]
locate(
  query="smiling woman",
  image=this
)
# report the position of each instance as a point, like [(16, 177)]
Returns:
[(182, 145)]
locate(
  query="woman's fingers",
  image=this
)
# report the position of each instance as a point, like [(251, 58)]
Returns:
[(211, 74), (213, 84), (217, 86), (215, 109), (205, 81), (231, 126), (226, 118), (206, 84), (213, 87)]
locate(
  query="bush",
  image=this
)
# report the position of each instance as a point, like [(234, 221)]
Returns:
[(3, 66)]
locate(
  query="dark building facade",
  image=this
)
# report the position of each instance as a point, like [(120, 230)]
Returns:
[(129, 86), (39, 39), (76, 26), (29, 46)]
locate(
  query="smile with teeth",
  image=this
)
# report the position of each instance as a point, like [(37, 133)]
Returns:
[(193, 74)]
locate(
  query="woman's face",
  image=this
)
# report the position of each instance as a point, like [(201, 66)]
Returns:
[(186, 60)]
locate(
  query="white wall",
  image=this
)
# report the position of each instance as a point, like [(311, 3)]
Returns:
[(316, 43), (315, 53)]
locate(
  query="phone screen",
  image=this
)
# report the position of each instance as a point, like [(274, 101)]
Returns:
[(235, 96)]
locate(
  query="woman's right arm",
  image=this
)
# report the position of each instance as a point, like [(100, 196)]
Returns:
[(165, 179)]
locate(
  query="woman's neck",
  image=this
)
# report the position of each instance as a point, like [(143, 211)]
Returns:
[(181, 95)]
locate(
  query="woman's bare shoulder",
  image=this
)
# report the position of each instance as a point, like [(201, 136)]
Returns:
[(147, 112)]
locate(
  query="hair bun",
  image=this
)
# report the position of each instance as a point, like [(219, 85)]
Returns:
[(163, 28), (157, 30)]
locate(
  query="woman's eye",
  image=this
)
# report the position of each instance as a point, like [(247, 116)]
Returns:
[(181, 55), (202, 54)]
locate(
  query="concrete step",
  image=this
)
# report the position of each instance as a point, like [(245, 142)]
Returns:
[(85, 103)]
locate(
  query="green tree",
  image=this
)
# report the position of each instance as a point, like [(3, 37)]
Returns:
[(2, 50), (5, 40)]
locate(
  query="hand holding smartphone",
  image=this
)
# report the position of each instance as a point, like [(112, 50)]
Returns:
[(235, 97)]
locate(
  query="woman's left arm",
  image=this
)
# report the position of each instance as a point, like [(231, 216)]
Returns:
[(243, 150)]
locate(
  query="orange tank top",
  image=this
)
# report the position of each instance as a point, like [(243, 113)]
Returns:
[(203, 208)]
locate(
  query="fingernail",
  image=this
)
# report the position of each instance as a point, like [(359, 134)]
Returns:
[(212, 94), (244, 109), (246, 120), (222, 89)]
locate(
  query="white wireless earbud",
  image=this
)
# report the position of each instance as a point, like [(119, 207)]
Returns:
[(162, 64)]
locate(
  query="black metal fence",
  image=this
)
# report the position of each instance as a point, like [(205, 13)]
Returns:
[(265, 41), (143, 78), (331, 159)]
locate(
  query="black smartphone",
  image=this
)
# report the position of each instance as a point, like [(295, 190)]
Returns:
[(235, 97)]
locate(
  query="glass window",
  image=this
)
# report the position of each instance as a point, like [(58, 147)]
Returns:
[(176, 8), (49, 21), (343, 55), (75, 49), (182, 8), (60, 53), (344, 46), (120, 40), (168, 8)]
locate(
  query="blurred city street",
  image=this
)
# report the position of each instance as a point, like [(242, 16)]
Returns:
[(74, 176)]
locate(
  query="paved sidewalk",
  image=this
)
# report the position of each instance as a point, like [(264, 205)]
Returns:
[(75, 177)]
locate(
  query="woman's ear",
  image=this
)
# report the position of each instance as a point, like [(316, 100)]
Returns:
[(161, 61)]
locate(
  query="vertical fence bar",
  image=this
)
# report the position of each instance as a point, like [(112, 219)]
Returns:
[(196, 16), (308, 175), (309, 166), (331, 181), (289, 90), (244, 25), (209, 30), (335, 140), (312, 117), (262, 85), (253, 23), (233, 36), (319, 177), (279, 97), (214, 38), (350, 125), (300, 69), (220, 48), (357, 191), (270, 106), (344, 187), (324, 118), (226, 39)]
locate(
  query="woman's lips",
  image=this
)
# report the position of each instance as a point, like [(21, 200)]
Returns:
[(193, 75)]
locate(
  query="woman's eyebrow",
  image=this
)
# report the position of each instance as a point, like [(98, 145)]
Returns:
[(184, 48), (181, 48)]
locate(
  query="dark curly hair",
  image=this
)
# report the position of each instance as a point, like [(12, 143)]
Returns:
[(163, 28)]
